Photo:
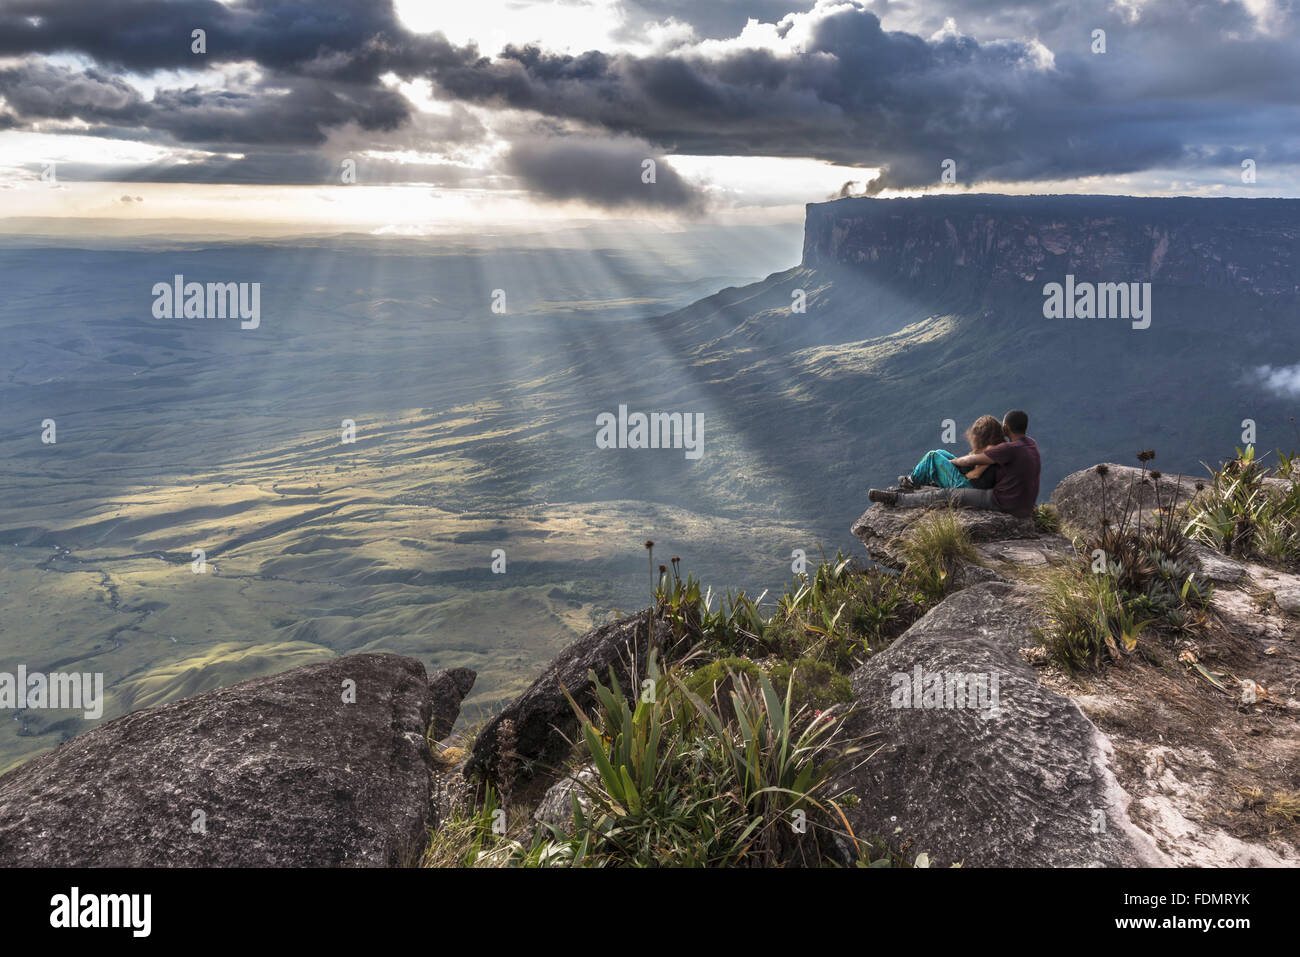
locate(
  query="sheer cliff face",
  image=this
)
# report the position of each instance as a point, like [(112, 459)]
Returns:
[(978, 241)]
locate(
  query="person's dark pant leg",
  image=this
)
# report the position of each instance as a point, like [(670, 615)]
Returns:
[(960, 497)]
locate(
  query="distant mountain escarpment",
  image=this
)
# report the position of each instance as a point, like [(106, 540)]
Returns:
[(984, 242)]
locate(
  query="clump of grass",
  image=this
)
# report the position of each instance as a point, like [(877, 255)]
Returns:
[(1079, 607), (477, 835), (1100, 604), (1283, 804), (933, 548), (1128, 577), (459, 838), (678, 782), (714, 766)]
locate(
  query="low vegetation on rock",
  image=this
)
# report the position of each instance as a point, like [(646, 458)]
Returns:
[(732, 730), (1127, 577), (722, 754), (1244, 512)]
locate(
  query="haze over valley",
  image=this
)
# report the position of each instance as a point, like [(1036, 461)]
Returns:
[(477, 430)]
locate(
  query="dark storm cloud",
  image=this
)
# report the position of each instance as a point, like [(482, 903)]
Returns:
[(860, 95), (352, 40), (300, 116), (300, 112), (857, 95), (320, 60), (47, 91), (603, 172), (1184, 83)]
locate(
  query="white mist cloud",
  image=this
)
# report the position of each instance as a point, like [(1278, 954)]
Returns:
[(1284, 380)]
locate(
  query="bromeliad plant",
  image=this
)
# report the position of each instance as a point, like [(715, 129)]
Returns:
[(1239, 515), (677, 784)]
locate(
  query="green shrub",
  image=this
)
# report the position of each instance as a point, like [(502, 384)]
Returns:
[(716, 681), (817, 685), (1046, 519)]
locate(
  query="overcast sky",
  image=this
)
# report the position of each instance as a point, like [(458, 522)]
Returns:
[(509, 111)]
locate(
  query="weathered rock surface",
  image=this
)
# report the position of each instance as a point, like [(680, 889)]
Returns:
[(882, 529), (1083, 498), (1284, 586), (1217, 568), (543, 720), (276, 771), (449, 688), (1288, 599), (556, 806), (1020, 784)]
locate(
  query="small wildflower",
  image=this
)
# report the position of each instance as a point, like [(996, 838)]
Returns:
[(1103, 470), (1155, 474), (1146, 455)]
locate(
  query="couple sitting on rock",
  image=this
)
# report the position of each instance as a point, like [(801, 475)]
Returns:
[(1000, 473)]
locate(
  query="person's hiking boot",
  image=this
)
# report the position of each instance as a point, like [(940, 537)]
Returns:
[(883, 496), (906, 484)]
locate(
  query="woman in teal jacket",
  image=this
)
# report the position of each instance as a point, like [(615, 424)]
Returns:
[(936, 468)]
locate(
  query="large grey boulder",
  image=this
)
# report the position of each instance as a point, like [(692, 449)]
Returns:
[(1024, 784), (882, 529), (1083, 498), (542, 722), (278, 771)]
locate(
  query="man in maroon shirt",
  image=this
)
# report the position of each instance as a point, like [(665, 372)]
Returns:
[(1016, 490)]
